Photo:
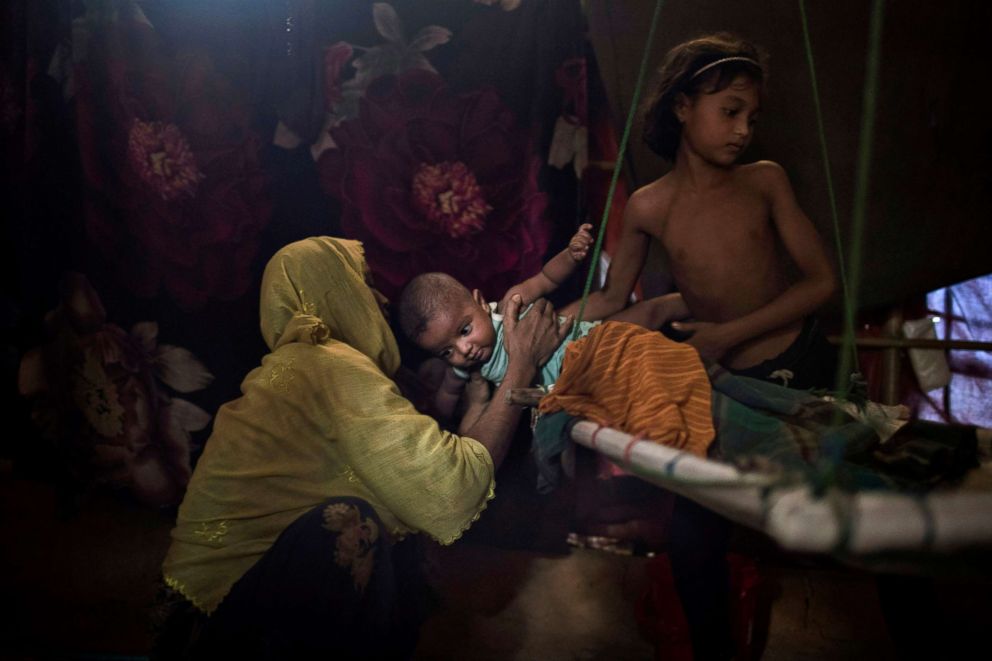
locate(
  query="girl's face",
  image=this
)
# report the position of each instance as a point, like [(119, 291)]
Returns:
[(463, 335), (719, 126)]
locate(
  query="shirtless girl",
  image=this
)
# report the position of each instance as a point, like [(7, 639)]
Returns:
[(729, 230)]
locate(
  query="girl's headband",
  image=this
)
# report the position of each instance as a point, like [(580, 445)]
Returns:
[(721, 61)]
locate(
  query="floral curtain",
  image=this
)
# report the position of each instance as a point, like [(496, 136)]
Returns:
[(158, 152)]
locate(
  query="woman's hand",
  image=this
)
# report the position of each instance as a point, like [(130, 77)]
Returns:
[(535, 337), (529, 342)]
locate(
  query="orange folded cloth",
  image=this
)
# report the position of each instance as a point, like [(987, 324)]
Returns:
[(638, 381)]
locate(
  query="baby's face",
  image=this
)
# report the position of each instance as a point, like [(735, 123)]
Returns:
[(463, 335)]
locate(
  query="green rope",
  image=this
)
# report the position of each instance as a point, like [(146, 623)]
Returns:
[(850, 279), (617, 167), (861, 186), (848, 310)]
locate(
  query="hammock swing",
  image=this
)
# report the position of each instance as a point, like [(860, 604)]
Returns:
[(799, 515)]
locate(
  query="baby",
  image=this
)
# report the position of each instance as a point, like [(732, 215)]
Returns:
[(441, 316)]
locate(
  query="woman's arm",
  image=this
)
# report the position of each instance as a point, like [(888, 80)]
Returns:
[(529, 343)]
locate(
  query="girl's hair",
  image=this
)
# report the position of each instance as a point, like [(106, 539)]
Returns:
[(662, 129)]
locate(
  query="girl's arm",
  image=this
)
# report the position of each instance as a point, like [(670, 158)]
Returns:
[(653, 313), (626, 264), (554, 272), (802, 242)]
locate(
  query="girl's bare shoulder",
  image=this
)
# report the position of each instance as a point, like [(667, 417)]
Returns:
[(659, 188), (651, 200), (762, 174)]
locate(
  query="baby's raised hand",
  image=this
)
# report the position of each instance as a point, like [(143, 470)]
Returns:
[(578, 247)]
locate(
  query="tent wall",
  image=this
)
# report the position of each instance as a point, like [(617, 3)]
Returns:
[(931, 181)]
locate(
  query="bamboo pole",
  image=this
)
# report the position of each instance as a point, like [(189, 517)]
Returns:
[(525, 396), (914, 343), (891, 363)]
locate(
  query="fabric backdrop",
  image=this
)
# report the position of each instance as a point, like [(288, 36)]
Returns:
[(157, 153)]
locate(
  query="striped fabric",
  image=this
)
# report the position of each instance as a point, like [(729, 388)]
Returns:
[(638, 381)]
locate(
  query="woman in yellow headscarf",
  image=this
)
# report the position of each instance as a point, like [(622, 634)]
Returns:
[(284, 543)]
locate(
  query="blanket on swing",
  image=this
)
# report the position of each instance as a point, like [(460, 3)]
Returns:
[(832, 443), (614, 379), (625, 374)]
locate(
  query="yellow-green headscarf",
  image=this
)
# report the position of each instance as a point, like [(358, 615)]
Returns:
[(323, 280), (319, 418)]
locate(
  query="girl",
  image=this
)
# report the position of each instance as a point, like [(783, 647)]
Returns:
[(729, 230)]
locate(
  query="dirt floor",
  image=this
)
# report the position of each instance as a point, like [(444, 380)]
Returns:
[(79, 585)]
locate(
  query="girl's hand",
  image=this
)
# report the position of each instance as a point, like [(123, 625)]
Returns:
[(578, 247), (708, 338)]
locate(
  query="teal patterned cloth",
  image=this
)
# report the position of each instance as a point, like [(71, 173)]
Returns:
[(793, 430), (804, 437), (809, 435)]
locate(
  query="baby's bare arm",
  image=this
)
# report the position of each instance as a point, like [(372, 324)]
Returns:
[(477, 395), (625, 265), (554, 272), (447, 395)]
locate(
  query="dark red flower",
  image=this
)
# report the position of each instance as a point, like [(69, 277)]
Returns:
[(430, 180), (176, 197), (99, 394), (335, 57), (572, 79), (162, 158)]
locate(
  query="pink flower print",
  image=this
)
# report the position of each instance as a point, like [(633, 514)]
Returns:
[(449, 196), (335, 59), (100, 394), (163, 159), (432, 180), (355, 543)]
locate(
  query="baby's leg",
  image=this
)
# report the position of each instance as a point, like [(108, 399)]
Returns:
[(654, 312)]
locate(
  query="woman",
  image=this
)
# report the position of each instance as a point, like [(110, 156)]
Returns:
[(284, 544)]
